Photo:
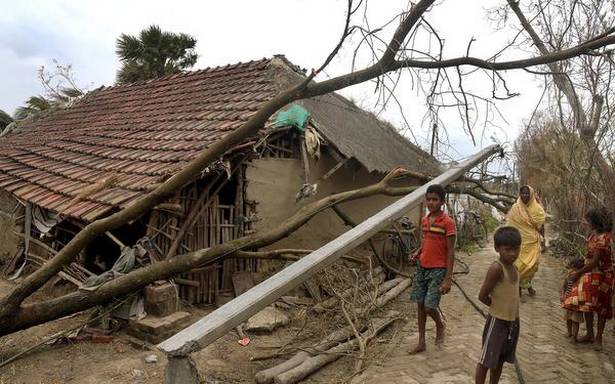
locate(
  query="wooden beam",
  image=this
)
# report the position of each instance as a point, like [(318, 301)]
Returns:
[(115, 240), (331, 171), (227, 317)]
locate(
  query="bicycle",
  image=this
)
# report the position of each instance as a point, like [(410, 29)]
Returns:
[(471, 229), (401, 242)]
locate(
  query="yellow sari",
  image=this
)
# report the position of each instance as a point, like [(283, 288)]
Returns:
[(528, 219)]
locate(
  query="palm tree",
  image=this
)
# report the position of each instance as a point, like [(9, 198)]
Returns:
[(5, 119), (154, 54), (34, 106), (56, 98)]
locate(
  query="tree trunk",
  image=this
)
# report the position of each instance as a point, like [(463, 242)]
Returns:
[(33, 314)]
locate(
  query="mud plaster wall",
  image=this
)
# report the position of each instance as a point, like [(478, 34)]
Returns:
[(8, 240), (274, 182)]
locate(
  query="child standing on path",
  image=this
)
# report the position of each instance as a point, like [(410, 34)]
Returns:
[(573, 318), (434, 271), (500, 291)]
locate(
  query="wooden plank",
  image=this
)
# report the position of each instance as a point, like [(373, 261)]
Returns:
[(227, 317)]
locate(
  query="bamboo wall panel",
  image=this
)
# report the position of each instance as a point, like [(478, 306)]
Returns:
[(216, 224)]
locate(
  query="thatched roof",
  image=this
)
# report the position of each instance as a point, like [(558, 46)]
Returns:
[(358, 134)]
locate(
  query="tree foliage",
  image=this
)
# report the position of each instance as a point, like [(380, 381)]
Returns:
[(60, 89), (570, 140), (154, 53), (5, 119)]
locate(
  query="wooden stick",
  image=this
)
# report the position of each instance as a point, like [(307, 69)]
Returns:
[(198, 209), (115, 239), (191, 283), (314, 363), (39, 243), (306, 162), (170, 207), (331, 171)]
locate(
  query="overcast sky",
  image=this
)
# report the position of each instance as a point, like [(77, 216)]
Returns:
[(83, 33)]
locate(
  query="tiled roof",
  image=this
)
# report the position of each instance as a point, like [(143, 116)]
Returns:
[(119, 142), (128, 138)]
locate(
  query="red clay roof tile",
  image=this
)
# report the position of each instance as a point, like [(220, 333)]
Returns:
[(142, 132)]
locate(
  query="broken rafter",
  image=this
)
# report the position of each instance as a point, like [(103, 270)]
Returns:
[(332, 171)]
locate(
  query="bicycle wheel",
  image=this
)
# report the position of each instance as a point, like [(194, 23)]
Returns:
[(482, 236)]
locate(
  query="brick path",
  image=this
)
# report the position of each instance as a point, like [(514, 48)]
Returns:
[(544, 353)]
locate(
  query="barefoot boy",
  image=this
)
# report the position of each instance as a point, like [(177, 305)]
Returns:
[(434, 269), (500, 291)]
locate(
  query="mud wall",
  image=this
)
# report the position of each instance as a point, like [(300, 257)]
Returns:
[(273, 184), (8, 240)]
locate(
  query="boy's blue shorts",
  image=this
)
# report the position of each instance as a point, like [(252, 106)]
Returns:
[(426, 284)]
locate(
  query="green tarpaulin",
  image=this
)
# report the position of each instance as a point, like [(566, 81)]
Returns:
[(295, 115)]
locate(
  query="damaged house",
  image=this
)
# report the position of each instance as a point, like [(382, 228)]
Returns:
[(114, 145)]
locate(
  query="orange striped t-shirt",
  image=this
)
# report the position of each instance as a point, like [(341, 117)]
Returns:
[(435, 247)]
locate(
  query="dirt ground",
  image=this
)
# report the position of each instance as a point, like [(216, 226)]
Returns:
[(226, 361), (123, 360)]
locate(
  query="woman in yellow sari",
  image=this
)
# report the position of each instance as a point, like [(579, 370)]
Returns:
[(528, 216)]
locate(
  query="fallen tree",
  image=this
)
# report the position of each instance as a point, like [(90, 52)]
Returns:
[(14, 315), (32, 314)]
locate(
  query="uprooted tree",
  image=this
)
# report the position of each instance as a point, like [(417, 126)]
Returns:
[(398, 54)]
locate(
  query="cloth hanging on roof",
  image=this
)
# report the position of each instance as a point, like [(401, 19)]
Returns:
[(27, 230), (44, 220), (295, 116), (312, 142), (124, 264)]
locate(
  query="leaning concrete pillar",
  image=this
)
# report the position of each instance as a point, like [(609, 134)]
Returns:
[(181, 369)]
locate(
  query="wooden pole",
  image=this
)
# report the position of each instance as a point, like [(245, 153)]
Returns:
[(227, 317)]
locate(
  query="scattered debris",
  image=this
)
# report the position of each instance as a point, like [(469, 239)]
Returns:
[(137, 373), (244, 339), (267, 320), (303, 364), (155, 329), (150, 359), (307, 360), (160, 298), (244, 342)]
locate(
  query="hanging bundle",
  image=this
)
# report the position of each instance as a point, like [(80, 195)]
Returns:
[(312, 142)]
